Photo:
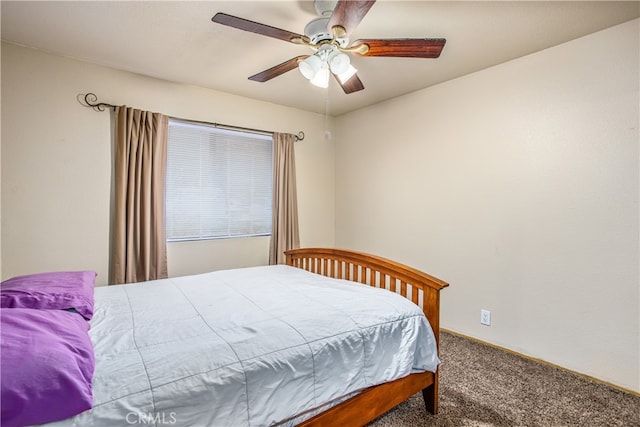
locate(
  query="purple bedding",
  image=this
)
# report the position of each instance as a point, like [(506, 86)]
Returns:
[(47, 366), (46, 353), (60, 290)]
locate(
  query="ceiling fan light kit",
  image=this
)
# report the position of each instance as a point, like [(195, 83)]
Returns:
[(339, 62), (328, 58), (310, 66), (329, 35), (321, 78)]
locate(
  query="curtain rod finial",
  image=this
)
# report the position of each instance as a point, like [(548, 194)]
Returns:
[(91, 100)]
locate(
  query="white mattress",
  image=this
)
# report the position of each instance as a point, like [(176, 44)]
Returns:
[(246, 347)]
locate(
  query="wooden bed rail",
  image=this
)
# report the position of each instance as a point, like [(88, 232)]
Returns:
[(415, 285)]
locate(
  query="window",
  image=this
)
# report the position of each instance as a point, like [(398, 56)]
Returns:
[(219, 182)]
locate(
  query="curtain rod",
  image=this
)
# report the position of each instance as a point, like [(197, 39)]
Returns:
[(91, 100)]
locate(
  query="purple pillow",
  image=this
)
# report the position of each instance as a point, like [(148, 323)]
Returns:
[(60, 290), (47, 366)]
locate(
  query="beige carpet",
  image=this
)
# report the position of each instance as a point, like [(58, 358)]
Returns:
[(484, 386)]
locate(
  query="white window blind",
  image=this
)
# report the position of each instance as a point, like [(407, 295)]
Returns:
[(219, 182)]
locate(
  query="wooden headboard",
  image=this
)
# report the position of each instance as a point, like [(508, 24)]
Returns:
[(421, 288)]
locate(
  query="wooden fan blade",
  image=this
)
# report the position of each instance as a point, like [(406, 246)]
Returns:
[(404, 48), (279, 69), (255, 27), (348, 14), (354, 84)]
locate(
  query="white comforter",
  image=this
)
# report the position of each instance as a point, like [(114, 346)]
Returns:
[(246, 347)]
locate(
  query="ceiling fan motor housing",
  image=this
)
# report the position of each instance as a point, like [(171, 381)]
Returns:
[(324, 7), (316, 30)]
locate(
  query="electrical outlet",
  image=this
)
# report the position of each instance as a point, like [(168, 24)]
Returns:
[(485, 317)]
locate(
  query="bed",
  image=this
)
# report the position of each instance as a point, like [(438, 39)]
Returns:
[(250, 340)]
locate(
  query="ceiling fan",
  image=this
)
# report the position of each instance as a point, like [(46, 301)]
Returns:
[(328, 35)]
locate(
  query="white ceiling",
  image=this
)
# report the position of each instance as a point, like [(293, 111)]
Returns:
[(177, 41)]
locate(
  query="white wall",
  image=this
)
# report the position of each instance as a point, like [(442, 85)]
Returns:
[(56, 164), (518, 185)]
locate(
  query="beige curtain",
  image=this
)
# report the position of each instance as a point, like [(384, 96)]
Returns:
[(284, 229), (139, 249)]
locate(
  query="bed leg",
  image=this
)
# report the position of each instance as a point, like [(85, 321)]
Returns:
[(430, 396)]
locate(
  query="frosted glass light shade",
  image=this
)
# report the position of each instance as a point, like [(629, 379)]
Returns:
[(310, 66), (321, 79), (339, 62)]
